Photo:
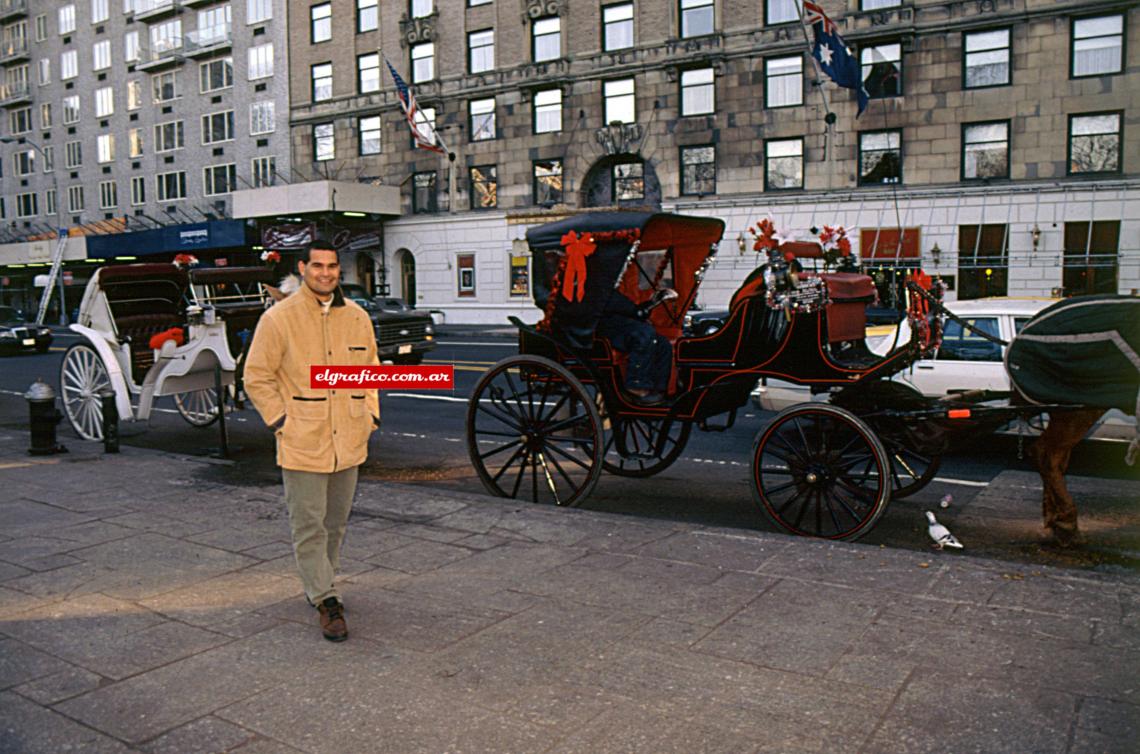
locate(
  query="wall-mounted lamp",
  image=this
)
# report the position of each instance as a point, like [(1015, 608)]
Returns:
[(741, 242), (1035, 234), (935, 254)]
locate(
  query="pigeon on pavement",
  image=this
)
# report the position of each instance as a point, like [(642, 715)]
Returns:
[(940, 534)]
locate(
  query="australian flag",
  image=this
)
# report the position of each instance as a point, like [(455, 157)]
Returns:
[(422, 132), (832, 53)]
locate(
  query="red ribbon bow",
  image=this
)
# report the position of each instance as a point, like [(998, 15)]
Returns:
[(577, 249)]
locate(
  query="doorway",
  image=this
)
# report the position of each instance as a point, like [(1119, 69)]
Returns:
[(407, 276)]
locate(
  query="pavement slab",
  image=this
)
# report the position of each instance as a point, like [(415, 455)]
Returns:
[(49, 689), (206, 734), (21, 662), (29, 728)]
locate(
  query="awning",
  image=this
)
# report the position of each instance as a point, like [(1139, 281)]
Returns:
[(174, 239)]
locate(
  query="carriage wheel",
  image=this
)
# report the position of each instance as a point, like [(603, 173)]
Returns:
[(910, 470), (82, 377), (818, 470), (641, 435), (200, 407), (533, 432)]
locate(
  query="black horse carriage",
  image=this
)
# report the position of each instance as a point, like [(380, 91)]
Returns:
[(543, 425)]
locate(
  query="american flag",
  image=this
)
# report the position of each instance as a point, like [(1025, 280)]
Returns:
[(412, 113), (813, 14)]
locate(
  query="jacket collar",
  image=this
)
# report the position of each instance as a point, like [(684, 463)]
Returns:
[(337, 296)]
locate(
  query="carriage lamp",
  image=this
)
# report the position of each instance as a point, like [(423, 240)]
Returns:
[(1035, 234), (741, 242), (935, 254), (43, 417)]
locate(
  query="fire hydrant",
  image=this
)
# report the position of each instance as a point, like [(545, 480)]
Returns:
[(44, 417)]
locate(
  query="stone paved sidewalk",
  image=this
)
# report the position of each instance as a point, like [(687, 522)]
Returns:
[(146, 608)]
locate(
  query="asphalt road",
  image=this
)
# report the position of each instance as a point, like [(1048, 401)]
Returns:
[(422, 442)]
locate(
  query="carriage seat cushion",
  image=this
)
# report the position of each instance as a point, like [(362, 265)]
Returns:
[(849, 286), (140, 328)]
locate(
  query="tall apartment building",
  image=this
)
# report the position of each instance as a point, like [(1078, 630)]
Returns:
[(131, 122), (998, 148)]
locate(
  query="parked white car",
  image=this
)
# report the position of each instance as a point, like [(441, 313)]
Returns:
[(964, 361)]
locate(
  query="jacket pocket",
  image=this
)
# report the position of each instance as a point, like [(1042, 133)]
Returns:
[(357, 406), (308, 408)]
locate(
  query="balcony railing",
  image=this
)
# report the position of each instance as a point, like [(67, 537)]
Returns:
[(146, 10), (14, 92), (210, 39), (13, 8), (167, 52), (13, 49)]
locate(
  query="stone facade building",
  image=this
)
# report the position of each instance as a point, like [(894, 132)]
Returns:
[(996, 130)]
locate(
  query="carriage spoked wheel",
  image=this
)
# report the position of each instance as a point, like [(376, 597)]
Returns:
[(910, 469), (533, 432), (641, 435), (818, 470), (82, 377), (200, 407)]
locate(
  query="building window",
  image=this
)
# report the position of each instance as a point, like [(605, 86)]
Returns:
[(165, 38), (983, 260), (108, 195), (324, 142), (780, 12), (75, 201), (131, 46), (484, 187), (698, 170), (1094, 143), (105, 148), (217, 74), (100, 11), (168, 136), (368, 73), (986, 59), (465, 266), (698, 92), (257, 11), (171, 186), (369, 130), (73, 154), (45, 115), (1098, 46), (68, 65), (547, 179), (104, 102), (620, 103), (49, 159), (547, 111), (41, 27), (45, 71), (423, 62), (66, 19), (696, 18), (1091, 257), (217, 127), (263, 170), (134, 142), (219, 179), (71, 109), (880, 157), (367, 16), (27, 205), (546, 39), (165, 86), (101, 55), (877, 4), (262, 117), (423, 192), (20, 121), (138, 190), (473, 3), (320, 23), (321, 81), (985, 150), (882, 69), (784, 81), (50, 202), (481, 119), (261, 61), (627, 181), (481, 51), (617, 27), (425, 125), (783, 164), (25, 162), (134, 94), (421, 8)]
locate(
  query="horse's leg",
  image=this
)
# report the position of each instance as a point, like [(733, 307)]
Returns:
[(1052, 452)]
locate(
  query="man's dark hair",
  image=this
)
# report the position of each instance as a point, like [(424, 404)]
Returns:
[(318, 245)]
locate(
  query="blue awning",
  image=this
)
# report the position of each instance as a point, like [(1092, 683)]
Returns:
[(174, 239)]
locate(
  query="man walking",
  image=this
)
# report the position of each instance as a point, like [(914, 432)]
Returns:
[(322, 435)]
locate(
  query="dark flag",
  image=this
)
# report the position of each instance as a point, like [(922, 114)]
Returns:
[(423, 134), (831, 51)]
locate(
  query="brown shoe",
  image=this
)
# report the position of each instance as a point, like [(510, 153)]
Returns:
[(332, 619)]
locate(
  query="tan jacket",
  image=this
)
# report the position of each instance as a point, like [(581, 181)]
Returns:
[(323, 430)]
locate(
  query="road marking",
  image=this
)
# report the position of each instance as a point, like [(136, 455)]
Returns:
[(508, 344), (962, 482), (420, 396), (24, 464)]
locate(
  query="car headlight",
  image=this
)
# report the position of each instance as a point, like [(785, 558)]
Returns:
[(429, 330), (7, 335)]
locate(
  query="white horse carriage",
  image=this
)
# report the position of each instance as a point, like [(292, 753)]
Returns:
[(203, 319)]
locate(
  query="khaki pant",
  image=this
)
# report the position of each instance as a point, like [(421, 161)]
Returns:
[(318, 505)]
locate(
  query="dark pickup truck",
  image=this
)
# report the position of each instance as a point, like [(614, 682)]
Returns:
[(403, 334)]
